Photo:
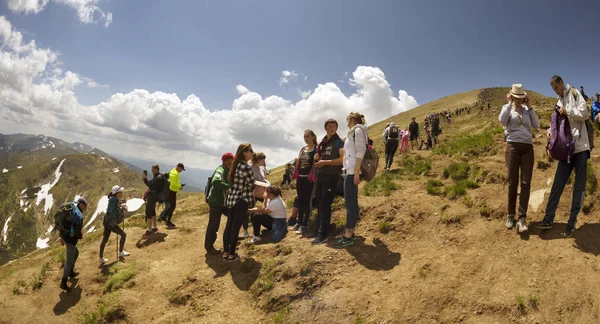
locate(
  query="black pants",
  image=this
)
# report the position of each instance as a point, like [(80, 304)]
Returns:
[(246, 222), (150, 206), (326, 186), (390, 150), (171, 203), (304, 188), (259, 220), (237, 215), (214, 221), (287, 179), (107, 230)]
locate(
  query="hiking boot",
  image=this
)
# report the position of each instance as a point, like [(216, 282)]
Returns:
[(246, 234), (124, 253), (73, 274), (255, 239), (64, 286), (295, 227), (301, 230), (102, 260), (344, 242), (169, 224), (522, 225), (213, 251), (510, 221), (568, 232), (545, 225), (320, 239)]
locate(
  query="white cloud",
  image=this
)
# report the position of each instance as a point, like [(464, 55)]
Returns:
[(304, 94), (87, 10), (286, 77), (36, 95)]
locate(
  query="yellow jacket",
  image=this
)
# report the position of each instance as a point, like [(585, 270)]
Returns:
[(174, 179)]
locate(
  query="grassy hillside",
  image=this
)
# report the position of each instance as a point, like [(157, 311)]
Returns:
[(431, 248)]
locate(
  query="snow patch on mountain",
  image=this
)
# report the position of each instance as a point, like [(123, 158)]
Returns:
[(134, 204), (116, 170), (102, 206), (4, 170), (19, 167), (42, 243), (5, 231), (44, 193)]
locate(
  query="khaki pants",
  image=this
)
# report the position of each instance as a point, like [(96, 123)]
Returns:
[(519, 156)]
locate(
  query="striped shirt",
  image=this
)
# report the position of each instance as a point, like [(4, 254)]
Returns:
[(242, 186)]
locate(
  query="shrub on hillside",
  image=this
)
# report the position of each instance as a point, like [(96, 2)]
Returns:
[(457, 171), (120, 274), (382, 184), (417, 166), (435, 187)]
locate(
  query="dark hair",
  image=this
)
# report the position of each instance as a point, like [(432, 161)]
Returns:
[(274, 190), (314, 136), (239, 158), (331, 121), (556, 79), (258, 156)]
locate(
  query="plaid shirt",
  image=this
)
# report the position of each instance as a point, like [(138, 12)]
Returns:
[(242, 186)]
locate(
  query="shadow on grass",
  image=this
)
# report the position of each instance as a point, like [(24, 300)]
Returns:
[(68, 299), (587, 238), (376, 257)]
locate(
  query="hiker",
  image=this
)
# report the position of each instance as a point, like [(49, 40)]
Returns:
[(271, 217), (435, 130), (596, 109), (155, 186), (329, 158), (518, 119), (404, 141), (571, 104), (413, 130), (215, 197), (69, 237), (585, 97), (260, 172), (391, 138), (287, 175), (428, 142), (305, 176), (239, 199), (114, 215), (174, 187), (355, 148)]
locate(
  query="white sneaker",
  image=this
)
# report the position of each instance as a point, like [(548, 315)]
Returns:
[(102, 260), (124, 253), (300, 230), (522, 225), (246, 234), (295, 227), (255, 239)]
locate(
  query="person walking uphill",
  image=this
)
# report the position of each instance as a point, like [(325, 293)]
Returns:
[(239, 199), (174, 187), (355, 148), (571, 104), (329, 156), (518, 118), (114, 216), (391, 138), (413, 130), (215, 197), (70, 228), (155, 186)]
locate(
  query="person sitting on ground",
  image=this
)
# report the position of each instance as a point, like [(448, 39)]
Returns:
[(114, 215), (596, 109), (271, 217), (287, 175), (429, 142)]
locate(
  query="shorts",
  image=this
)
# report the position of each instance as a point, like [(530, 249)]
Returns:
[(413, 137)]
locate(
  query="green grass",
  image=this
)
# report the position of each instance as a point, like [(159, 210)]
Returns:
[(414, 166), (120, 274), (384, 227), (359, 320), (480, 144), (38, 280), (468, 202), (282, 317), (19, 289), (177, 298), (266, 278), (435, 187), (450, 217), (521, 304), (382, 184), (107, 312), (282, 249), (534, 301), (457, 171)]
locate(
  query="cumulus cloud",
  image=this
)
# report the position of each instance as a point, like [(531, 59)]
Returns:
[(87, 10), (37, 95)]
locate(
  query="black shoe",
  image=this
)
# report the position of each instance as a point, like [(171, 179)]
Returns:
[(313, 235), (170, 224), (320, 239), (568, 232), (545, 225), (74, 274), (213, 251), (64, 286)]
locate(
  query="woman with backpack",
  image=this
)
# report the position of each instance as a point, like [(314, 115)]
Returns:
[(239, 199), (305, 176), (114, 215), (518, 119), (355, 148)]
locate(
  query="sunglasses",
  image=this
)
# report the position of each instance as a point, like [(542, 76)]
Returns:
[(249, 150)]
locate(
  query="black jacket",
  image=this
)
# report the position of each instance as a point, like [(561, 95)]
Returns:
[(155, 185)]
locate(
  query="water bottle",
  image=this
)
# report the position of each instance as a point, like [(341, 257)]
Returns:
[(72, 232)]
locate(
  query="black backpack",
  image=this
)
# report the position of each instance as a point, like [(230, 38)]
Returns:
[(62, 219), (394, 132), (207, 188), (163, 196)]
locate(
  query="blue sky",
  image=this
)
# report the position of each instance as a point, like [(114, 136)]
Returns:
[(428, 48)]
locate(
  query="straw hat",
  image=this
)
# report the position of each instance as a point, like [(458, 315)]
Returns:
[(517, 91)]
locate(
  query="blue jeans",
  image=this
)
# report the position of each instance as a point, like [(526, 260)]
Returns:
[(351, 202), (563, 171), (72, 255)]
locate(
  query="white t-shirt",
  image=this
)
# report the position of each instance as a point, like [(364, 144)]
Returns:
[(277, 208)]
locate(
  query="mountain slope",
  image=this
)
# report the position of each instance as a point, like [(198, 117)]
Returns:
[(431, 248)]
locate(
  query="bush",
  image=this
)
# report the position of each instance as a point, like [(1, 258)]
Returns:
[(481, 144), (383, 184), (417, 166), (107, 312), (384, 227), (458, 171), (120, 274), (434, 187)]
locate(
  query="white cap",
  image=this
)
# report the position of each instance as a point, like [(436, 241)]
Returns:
[(116, 189)]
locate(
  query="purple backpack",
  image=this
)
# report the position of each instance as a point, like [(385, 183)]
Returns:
[(562, 144)]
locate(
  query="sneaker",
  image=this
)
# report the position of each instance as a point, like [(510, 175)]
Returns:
[(213, 251), (522, 225), (568, 232), (255, 239), (124, 253), (545, 225), (295, 227), (313, 235), (233, 258), (510, 221), (64, 286), (169, 224), (301, 230), (102, 260), (246, 234), (320, 239), (341, 238), (344, 242)]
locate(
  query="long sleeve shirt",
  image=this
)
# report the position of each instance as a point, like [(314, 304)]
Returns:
[(355, 147), (577, 112), (518, 128), (175, 180), (595, 109)]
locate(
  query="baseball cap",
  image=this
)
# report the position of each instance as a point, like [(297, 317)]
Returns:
[(180, 165), (116, 189), (227, 156), (81, 200)]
